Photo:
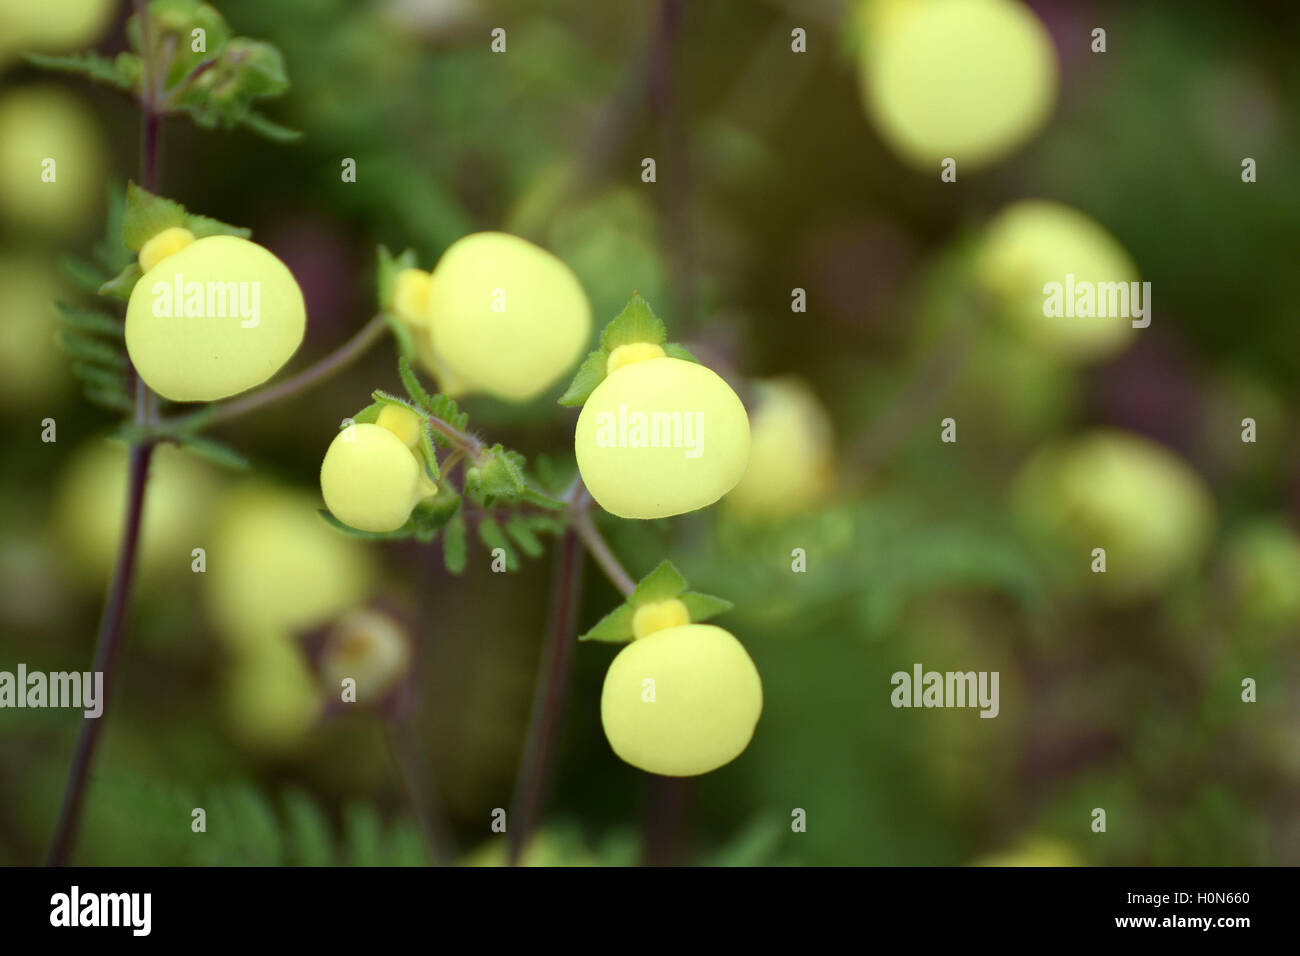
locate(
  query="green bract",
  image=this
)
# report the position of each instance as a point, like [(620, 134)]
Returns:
[(965, 79), (218, 317), (506, 317), (661, 437), (371, 480), (681, 701)]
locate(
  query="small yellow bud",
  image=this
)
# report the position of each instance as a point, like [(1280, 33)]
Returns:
[(411, 296), (659, 615), (631, 353), (402, 422), (163, 245)]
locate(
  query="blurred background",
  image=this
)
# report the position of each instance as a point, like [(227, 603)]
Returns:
[(777, 171)]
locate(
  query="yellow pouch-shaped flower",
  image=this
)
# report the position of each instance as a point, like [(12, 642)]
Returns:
[(216, 318), (681, 701), (661, 437)]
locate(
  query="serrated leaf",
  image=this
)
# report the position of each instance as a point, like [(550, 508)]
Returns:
[(91, 349), (701, 607), (89, 320), (678, 351), (590, 374), (614, 628), (214, 451), (112, 400), (101, 378), (122, 72), (490, 533), (122, 284), (636, 323), (539, 498), (147, 215), (521, 532), (85, 275), (453, 545), (203, 226), (309, 839), (662, 583), (269, 129), (411, 383)]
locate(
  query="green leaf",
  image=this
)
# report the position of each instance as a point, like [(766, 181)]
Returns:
[(590, 374), (308, 838), (103, 379), (388, 398), (269, 129), (521, 532), (490, 533), (636, 323), (614, 628), (122, 72), (539, 498), (112, 400), (701, 607), (85, 275), (203, 226), (412, 384), (214, 451), (147, 215), (678, 351), (122, 284), (496, 474), (453, 545), (90, 349), (662, 583), (89, 320)]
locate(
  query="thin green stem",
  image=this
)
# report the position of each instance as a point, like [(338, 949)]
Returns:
[(414, 778)]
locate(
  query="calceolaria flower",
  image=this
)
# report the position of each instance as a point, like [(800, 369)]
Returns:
[(373, 475)]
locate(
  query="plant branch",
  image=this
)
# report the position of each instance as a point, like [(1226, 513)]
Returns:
[(549, 697), (340, 358), (601, 552), (108, 643)]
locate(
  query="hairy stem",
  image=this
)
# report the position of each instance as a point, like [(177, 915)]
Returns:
[(601, 552), (549, 697), (336, 361)]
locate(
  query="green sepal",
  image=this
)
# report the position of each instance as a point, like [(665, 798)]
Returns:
[(398, 535), (590, 374), (636, 323), (662, 583), (497, 474), (146, 215), (678, 351), (614, 628), (122, 284), (386, 273)]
